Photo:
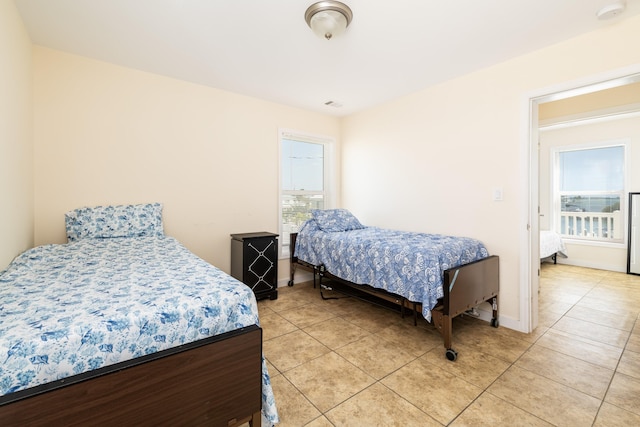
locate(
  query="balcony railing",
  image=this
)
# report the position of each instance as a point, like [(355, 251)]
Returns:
[(591, 225)]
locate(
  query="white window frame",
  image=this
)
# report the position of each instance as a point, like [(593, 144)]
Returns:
[(556, 195), (329, 190)]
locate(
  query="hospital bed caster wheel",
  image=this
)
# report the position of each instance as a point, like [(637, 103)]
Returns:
[(451, 354), (495, 323)]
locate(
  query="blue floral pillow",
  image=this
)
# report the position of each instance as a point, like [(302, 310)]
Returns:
[(114, 221), (336, 220)]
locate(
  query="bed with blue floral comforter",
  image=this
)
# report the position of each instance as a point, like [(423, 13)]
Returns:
[(405, 263), (93, 302)]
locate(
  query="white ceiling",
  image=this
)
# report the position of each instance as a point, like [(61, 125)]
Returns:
[(264, 49)]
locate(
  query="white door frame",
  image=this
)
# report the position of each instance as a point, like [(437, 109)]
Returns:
[(530, 236)]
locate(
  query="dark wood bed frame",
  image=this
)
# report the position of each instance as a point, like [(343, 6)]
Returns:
[(465, 287), (216, 381)]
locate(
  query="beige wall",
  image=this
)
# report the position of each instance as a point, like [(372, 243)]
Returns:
[(16, 147), (111, 135), (429, 161), (627, 95), (596, 256)]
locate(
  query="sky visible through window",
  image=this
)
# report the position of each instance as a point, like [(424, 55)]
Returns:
[(303, 182), (302, 166), (591, 180), (598, 169)]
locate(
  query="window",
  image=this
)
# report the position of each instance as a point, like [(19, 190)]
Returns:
[(305, 172), (589, 188)]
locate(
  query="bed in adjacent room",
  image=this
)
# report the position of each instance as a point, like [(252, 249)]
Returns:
[(551, 245), (439, 276), (123, 323)]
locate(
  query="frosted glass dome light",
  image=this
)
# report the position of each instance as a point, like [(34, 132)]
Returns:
[(328, 19)]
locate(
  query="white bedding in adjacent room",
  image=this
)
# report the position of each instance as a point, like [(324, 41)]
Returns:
[(550, 244)]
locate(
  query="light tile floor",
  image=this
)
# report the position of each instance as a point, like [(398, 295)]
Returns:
[(344, 362)]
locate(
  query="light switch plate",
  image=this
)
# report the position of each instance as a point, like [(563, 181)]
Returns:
[(497, 194)]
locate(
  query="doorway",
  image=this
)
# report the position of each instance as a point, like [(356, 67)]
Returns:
[(530, 265)]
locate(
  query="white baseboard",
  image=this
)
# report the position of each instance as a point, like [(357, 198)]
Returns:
[(591, 264), (503, 321), (300, 276)]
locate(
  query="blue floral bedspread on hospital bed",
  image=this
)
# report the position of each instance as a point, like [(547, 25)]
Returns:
[(405, 263), (75, 307)]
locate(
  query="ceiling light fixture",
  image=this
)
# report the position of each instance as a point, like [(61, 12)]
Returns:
[(328, 19), (611, 10)]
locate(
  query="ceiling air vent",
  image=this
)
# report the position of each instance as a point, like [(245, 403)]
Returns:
[(333, 104)]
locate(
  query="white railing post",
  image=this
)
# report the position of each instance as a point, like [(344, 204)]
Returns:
[(616, 225), (592, 224)]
